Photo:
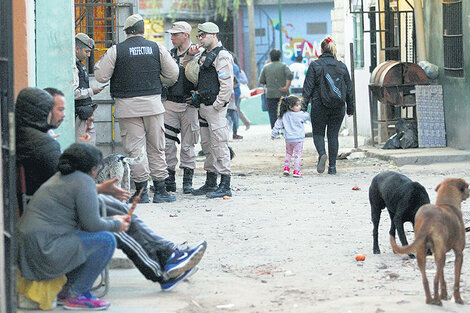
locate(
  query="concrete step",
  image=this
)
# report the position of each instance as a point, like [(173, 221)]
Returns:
[(421, 156)]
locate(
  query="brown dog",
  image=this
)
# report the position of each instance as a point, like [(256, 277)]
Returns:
[(440, 228)]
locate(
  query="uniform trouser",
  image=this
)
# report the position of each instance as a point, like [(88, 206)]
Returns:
[(214, 139), (148, 132), (81, 128), (187, 123)]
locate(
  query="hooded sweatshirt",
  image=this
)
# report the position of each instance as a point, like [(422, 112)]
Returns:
[(36, 151), (293, 125)]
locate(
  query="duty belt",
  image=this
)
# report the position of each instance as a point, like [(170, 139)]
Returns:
[(177, 99)]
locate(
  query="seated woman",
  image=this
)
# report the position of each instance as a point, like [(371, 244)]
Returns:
[(61, 231)]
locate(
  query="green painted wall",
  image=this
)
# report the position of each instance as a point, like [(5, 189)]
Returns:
[(251, 107), (456, 90), (55, 56)]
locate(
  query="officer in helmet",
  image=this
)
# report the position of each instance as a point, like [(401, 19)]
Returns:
[(214, 90), (84, 107)]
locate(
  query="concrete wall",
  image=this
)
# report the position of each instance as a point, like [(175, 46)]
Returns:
[(456, 90), (23, 50), (342, 31), (106, 141), (55, 56)]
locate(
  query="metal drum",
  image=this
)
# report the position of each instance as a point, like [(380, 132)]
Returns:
[(394, 82)]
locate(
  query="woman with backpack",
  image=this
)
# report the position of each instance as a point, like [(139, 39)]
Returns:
[(327, 87)]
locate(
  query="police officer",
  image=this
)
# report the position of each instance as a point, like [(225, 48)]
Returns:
[(84, 107), (214, 89), (179, 116), (134, 67)]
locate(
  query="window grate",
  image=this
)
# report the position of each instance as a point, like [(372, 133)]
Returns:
[(316, 28), (410, 46), (99, 19), (453, 38), (358, 41), (260, 32)]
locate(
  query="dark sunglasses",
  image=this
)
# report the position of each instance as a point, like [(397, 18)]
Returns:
[(201, 35)]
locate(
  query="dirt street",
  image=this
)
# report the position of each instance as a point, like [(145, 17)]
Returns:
[(282, 244)]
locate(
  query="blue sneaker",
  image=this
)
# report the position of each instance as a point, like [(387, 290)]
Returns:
[(171, 283), (182, 261)]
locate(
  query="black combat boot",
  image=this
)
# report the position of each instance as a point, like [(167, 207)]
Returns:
[(144, 197), (170, 182), (161, 195), (187, 180), (223, 190), (209, 186)]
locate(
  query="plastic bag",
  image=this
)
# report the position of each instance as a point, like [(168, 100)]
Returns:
[(392, 143), (406, 136), (408, 133), (245, 91)]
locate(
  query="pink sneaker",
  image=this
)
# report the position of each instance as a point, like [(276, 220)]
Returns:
[(86, 301), (297, 174), (286, 171)]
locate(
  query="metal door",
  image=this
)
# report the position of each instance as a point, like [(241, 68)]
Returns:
[(7, 119)]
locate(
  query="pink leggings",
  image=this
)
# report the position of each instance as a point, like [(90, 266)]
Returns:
[(296, 149)]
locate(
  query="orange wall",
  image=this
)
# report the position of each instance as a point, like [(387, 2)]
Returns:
[(20, 46)]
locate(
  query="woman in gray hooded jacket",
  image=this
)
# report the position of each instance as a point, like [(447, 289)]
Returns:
[(61, 232)]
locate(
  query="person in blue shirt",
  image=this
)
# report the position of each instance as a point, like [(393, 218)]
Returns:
[(233, 112), (291, 120)]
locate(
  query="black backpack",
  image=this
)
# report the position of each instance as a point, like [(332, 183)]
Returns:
[(332, 85)]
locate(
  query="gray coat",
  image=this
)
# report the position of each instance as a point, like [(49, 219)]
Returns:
[(47, 244)]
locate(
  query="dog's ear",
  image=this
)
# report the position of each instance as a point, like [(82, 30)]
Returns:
[(462, 185), (437, 187)]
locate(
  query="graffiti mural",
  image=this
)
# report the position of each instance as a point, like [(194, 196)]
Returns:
[(293, 46)]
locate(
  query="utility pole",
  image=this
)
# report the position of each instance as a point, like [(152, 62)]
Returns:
[(279, 6), (251, 38)]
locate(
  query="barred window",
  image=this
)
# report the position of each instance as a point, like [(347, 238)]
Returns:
[(453, 38), (316, 28), (358, 41), (260, 32)]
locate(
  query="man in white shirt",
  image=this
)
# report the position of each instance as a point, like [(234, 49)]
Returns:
[(298, 69)]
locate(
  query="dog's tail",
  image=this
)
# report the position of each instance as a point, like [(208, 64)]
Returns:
[(137, 160), (409, 248)]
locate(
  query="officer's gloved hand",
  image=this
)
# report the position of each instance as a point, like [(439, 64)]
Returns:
[(194, 100)]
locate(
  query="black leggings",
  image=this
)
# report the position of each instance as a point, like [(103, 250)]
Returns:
[(331, 119)]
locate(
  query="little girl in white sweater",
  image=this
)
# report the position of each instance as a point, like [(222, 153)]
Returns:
[(291, 120)]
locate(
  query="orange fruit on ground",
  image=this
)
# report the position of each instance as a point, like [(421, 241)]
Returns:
[(360, 257)]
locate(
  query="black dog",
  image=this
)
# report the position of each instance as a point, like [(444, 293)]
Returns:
[(401, 196)]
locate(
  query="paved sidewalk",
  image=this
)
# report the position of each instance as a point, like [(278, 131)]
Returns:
[(256, 248)]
